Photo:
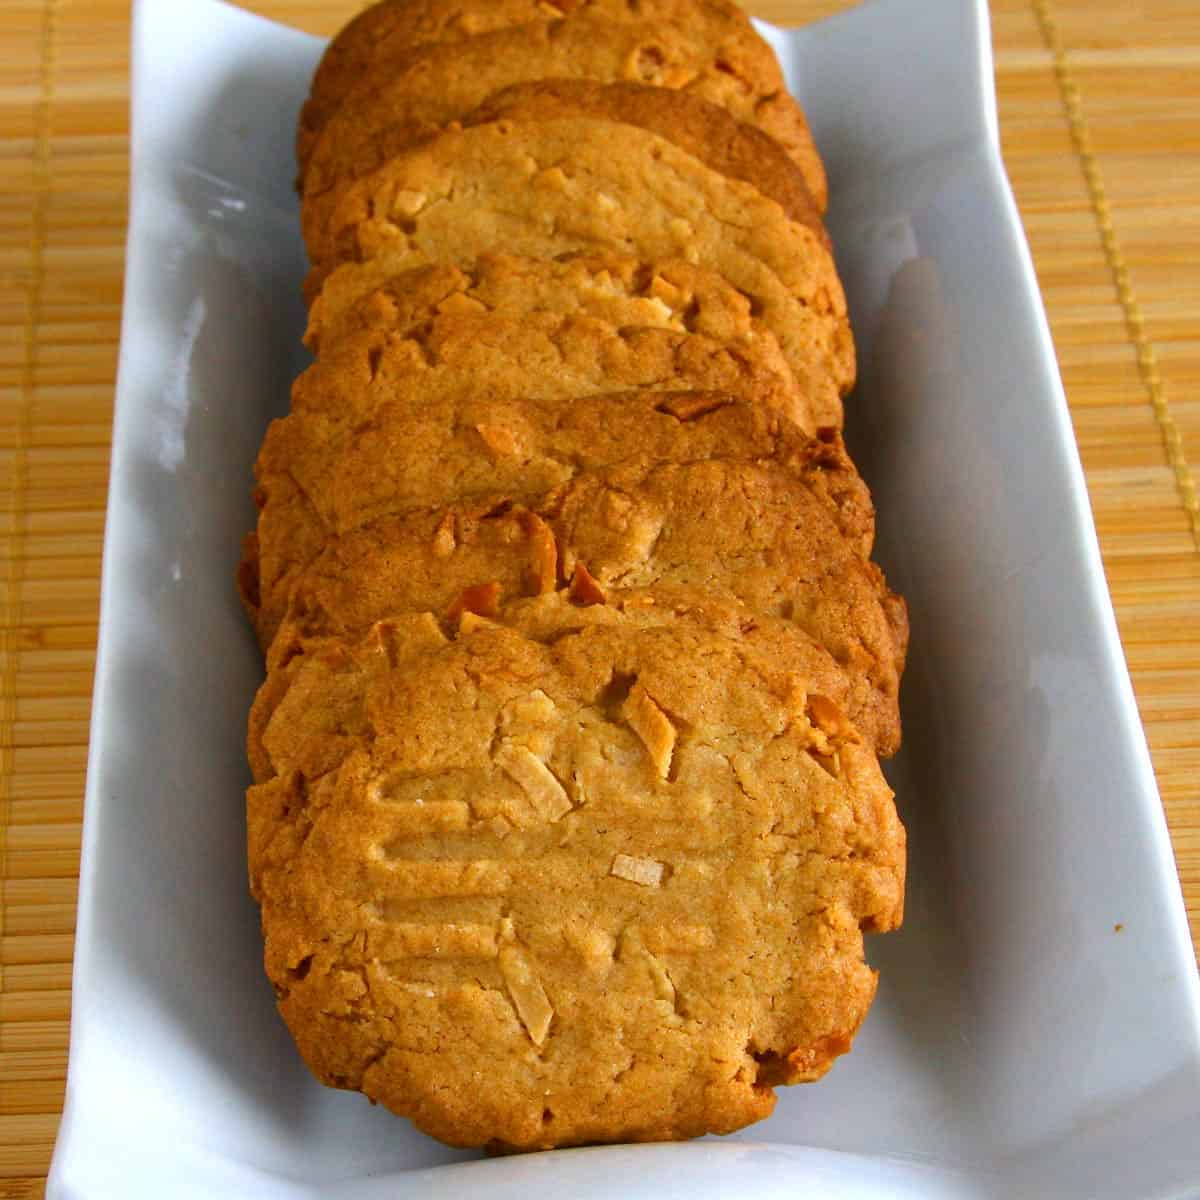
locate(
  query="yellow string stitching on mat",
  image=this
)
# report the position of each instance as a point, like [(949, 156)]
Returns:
[(19, 480), (1147, 360)]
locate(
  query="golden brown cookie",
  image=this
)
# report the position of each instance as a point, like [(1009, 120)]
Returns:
[(539, 353), (401, 89), (616, 288), (618, 869), (704, 130), (420, 591), (547, 188)]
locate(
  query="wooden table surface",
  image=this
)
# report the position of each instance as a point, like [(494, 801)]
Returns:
[(1100, 117)]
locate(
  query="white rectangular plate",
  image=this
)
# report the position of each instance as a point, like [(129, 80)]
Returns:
[(1037, 1030)]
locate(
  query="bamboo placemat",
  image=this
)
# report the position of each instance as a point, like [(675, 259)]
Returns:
[(1100, 115)]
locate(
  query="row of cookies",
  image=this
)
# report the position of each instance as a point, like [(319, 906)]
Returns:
[(578, 667)]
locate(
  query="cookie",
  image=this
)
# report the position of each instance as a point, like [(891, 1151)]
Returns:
[(423, 447), (386, 34), (569, 881), (547, 188), (404, 90), (616, 288), (422, 590), (702, 129)]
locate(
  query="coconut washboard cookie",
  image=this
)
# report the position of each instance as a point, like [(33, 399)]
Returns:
[(557, 186), (400, 92), (618, 870), (704, 130), (616, 288), (317, 625), (535, 352)]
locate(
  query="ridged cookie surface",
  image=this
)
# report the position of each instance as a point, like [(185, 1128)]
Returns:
[(593, 879)]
